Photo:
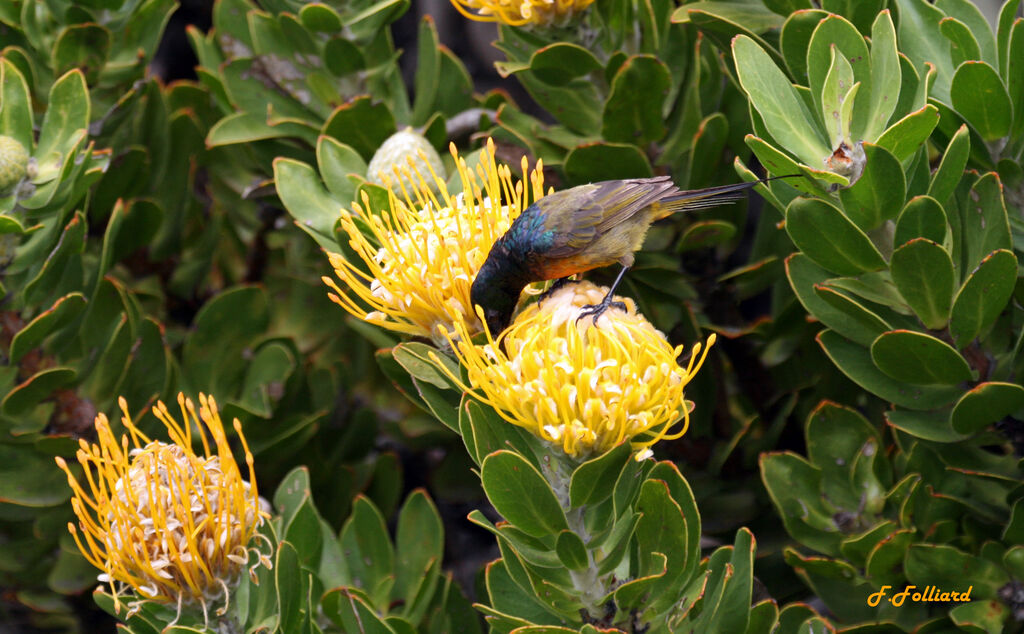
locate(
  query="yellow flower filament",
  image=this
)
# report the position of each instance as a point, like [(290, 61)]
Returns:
[(585, 388), (422, 253), (154, 516), (521, 12)]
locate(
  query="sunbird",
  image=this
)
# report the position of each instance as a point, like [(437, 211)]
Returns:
[(578, 229)]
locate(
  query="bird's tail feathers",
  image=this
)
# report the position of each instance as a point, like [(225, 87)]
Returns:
[(708, 197)]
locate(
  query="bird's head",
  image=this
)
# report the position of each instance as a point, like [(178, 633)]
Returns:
[(496, 290), (497, 302)]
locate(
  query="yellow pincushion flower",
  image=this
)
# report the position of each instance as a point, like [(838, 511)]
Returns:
[(584, 387), (426, 250), (175, 526), (522, 12)]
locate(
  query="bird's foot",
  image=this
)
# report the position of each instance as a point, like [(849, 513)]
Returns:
[(559, 283), (596, 310)]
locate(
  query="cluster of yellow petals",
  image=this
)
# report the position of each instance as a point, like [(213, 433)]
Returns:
[(418, 258), (522, 12), (158, 518), (583, 386)]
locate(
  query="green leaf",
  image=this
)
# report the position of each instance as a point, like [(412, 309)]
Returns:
[(784, 112), (933, 426), (837, 34), (962, 45), (336, 162), (27, 476), (224, 327), (1013, 71), (968, 14), (921, 41), (349, 611), (878, 193), (980, 616), (67, 113), (361, 124), (704, 234), (129, 228), (828, 237), (419, 546), (795, 38), (572, 552), (853, 310), (558, 64), (662, 529), (835, 85), (951, 569), (633, 110), (886, 76), (598, 161), (980, 96), (919, 359), (64, 311), (364, 540), (804, 277), (84, 47), (951, 169), (15, 105), (521, 494), (424, 363), (428, 69), (904, 137), (307, 201), (923, 272), (795, 489), (984, 404), (856, 363), (921, 218), (985, 226), (593, 481), (983, 296)]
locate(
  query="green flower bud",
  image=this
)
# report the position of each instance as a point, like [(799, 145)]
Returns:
[(396, 152), (13, 164)]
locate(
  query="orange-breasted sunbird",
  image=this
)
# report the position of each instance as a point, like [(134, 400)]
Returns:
[(578, 229)]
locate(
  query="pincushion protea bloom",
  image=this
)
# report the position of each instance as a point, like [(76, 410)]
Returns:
[(175, 526), (522, 12), (424, 250), (584, 387)]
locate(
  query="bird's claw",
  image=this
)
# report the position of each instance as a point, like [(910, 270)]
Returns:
[(596, 310)]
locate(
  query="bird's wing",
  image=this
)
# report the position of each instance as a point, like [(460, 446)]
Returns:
[(584, 215)]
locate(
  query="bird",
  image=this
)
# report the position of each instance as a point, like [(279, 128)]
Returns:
[(579, 229)]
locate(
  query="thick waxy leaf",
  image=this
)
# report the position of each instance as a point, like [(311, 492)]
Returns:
[(886, 76), (779, 163), (879, 192), (921, 41), (983, 296), (829, 238), (521, 494), (951, 169), (600, 161), (795, 38), (905, 136), (28, 477), (560, 63), (336, 162), (934, 426), (962, 44), (835, 36), (980, 96), (785, 115), (15, 105), (632, 113), (984, 404), (572, 552), (706, 233), (362, 125), (349, 611), (949, 568), (795, 488), (852, 309), (306, 199), (985, 225), (63, 312), (805, 277), (923, 217), (923, 272), (856, 362), (594, 480), (968, 14), (919, 359)]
